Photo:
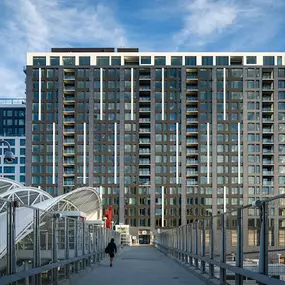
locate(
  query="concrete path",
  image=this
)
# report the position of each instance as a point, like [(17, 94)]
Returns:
[(141, 266)]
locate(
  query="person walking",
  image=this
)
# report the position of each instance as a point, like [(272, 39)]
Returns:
[(111, 249)]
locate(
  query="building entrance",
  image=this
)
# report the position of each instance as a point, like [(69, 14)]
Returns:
[(144, 239)]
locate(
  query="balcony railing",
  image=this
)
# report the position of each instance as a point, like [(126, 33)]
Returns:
[(69, 88), (69, 77)]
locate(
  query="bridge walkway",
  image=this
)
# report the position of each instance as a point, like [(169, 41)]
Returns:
[(138, 265)]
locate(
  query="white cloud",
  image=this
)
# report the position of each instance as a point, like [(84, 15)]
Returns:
[(35, 25), (249, 22)]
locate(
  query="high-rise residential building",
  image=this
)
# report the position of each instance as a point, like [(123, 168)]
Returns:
[(12, 130), (165, 137)]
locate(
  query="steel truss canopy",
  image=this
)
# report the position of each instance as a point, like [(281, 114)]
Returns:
[(85, 199)]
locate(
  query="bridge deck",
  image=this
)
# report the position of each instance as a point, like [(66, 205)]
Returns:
[(140, 266)]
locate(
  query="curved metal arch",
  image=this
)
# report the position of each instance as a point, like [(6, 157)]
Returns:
[(85, 199), (8, 184), (28, 196)]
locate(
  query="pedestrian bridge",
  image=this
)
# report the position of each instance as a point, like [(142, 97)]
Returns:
[(45, 240)]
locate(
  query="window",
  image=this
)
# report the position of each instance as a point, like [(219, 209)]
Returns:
[(281, 84), (251, 72), (84, 60), (68, 61), (281, 95), (54, 60), (279, 60), (251, 59), (102, 60), (159, 60), (116, 60), (39, 60), (281, 72), (145, 60), (268, 60), (190, 60), (176, 60), (222, 60), (207, 60), (22, 142)]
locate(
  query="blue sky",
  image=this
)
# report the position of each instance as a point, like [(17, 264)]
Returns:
[(151, 25)]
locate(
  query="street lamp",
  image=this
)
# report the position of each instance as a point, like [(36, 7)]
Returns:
[(9, 155), (278, 254)]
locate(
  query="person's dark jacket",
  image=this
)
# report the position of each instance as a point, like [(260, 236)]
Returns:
[(112, 248)]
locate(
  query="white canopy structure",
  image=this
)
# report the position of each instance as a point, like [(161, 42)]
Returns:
[(85, 199)]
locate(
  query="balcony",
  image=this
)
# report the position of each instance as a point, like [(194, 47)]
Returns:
[(267, 119), (268, 161), (144, 98), (69, 99), (191, 141), (144, 130), (267, 76), (144, 109), (68, 120), (144, 161), (144, 120), (267, 173), (68, 130), (147, 172), (268, 150), (68, 110), (268, 109), (267, 87), (192, 88), (267, 98), (191, 98), (142, 141), (145, 88), (192, 161), (68, 162), (68, 88), (192, 172), (191, 76), (192, 151), (268, 141), (144, 151), (191, 130), (68, 141), (145, 77), (268, 182), (68, 77), (267, 130), (191, 109)]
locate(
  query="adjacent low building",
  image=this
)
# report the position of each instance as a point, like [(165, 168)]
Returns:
[(12, 130)]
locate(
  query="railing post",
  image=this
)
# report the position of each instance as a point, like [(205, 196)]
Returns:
[(211, 266), (263, 251), (36, 279), (223, 249), (196, 244), (203, 245), (66, 228), (55, 247), (191, 243), (11, 243), (239, 247), (83, 244), (186, 243), (76, 244)]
